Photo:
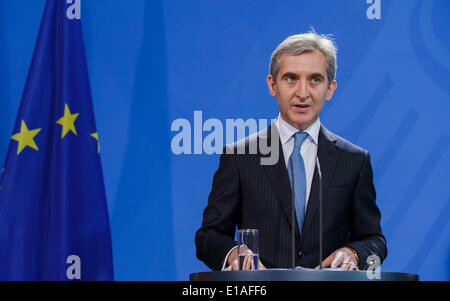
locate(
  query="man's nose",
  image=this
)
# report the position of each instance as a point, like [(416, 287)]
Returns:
[(302, 90)]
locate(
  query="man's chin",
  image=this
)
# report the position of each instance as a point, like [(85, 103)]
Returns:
[(302, 123)]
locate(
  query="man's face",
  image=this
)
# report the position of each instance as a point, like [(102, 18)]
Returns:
[(301, 87)]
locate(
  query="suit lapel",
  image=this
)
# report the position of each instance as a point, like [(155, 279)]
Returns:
[(328, 157), (278, 177), (279, 180)]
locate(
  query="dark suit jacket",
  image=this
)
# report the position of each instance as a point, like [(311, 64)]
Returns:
[(247, 194)]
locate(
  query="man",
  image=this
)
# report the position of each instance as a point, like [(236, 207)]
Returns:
[(248, 194)]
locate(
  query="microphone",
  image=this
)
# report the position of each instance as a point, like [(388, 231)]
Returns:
[(293, 213), (319, 173)]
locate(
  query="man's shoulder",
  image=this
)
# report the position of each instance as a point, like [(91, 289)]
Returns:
[(343, 144), (251, 144)]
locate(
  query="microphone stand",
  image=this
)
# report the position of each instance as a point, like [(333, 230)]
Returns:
[(293, 213), (320, 214)]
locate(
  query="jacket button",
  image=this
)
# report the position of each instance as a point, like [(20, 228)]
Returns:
[(300, 253)]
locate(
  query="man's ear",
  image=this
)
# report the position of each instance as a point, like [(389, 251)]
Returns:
[(271, 85), (331, 90)]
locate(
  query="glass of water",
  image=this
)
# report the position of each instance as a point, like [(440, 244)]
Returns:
[(248, 249)]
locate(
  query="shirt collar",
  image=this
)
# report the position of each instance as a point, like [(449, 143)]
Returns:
[(286, 130)]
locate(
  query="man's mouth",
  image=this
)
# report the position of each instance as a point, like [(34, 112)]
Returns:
[(301, 108)]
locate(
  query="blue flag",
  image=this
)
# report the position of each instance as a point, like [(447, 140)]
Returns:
[(53, 214)]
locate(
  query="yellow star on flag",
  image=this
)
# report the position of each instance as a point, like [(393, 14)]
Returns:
[(95, 135), (67, 122), (25, 137)]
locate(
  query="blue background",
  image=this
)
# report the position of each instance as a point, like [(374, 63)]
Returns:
[(151, 62)]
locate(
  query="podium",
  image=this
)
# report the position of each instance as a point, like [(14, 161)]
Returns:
[(300, 275)]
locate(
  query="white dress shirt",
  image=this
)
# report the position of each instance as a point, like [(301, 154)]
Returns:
[(308, 151)]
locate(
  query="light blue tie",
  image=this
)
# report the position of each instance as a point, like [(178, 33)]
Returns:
[(299, 178)]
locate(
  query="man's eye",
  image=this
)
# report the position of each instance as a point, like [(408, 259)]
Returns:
[(291, 79), (316, 80)]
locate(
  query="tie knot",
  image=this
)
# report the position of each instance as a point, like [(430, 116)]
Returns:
[(299, 138)]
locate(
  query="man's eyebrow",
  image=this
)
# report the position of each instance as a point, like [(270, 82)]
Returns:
[(316, 75), (289, 74)]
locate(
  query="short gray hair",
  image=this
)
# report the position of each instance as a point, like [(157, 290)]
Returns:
[(300, 43)]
